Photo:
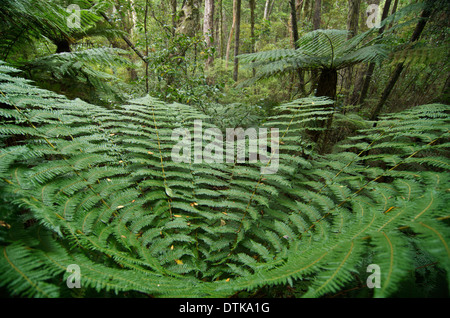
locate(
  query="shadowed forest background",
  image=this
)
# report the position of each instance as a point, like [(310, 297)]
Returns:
[(90, 91)]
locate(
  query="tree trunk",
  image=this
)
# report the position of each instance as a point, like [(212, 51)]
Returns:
[(371, 66), (327, 88), (327, 83), (146, 45), (317, 7), (317, 14), (267, 9), (230, 36), (208, 29), (221, 37), (189, 18), (62, 45), (353, 17), (387, 91), (352, 28), (133, 18), (444, 97), (359, 80), (127, 41), (298, 8), (236, 40), (394, 9), (131, 71), (399, 68), (173, 5), (252, 4), (307, 10), (294, 28)]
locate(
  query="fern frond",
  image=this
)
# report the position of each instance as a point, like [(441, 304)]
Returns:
[(103, 182)]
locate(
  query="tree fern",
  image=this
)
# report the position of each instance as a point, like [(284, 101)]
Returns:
[(98, 188), (326, 50)]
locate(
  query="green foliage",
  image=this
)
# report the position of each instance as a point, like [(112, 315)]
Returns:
[(34, 30), (23, 21), (176, 69), (98, 187), (319, 49), (87, 74)]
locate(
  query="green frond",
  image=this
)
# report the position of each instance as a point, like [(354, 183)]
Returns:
[(319, 49), (103, 192), (392, 254)]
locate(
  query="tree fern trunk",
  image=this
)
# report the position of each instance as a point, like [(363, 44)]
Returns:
[(327, 83), (326, 87), (62, 46)]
